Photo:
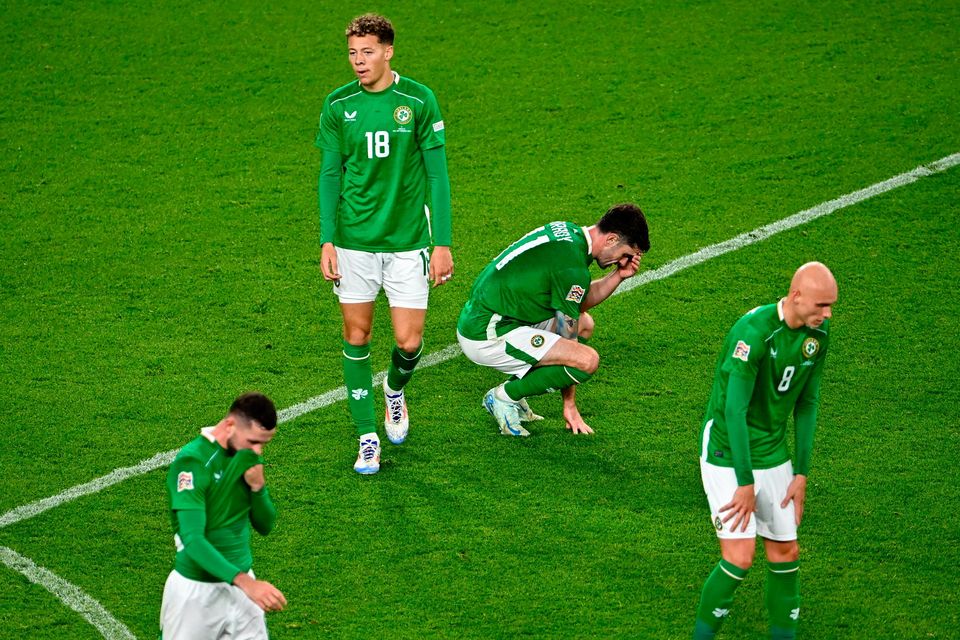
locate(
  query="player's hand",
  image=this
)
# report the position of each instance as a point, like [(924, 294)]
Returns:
[(743, 504), (254, 477), (574, 420), (628, 267), (797, 491), (328, 262), (264, 595), (441, 266)]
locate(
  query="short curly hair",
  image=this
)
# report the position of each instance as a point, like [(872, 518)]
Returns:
[(371, 24), (627, 221), (253, 405)]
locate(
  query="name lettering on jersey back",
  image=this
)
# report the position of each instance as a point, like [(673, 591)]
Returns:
[(560, 232)]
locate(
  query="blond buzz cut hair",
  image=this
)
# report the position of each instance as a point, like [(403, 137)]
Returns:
[(371, 24)]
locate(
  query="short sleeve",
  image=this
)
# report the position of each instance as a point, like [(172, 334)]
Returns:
[(570, 287), (187, 483), (745, 350), (328, 137), (430, 130)]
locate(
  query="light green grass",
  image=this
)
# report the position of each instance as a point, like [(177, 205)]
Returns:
[(159, 256)]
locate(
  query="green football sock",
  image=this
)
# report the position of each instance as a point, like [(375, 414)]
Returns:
[(358, 378), (401, 367), (716, 598), (540, 380), (783, 599)]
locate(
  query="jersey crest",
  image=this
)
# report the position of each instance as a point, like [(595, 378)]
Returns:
[(575, 294), (810, 347), (403, 114), (185, 481), (741, 351)]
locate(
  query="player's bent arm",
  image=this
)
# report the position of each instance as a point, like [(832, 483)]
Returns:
[(739, 392), (263, 514), (328, 188), (192, 527), (600, 290), (438, 183)]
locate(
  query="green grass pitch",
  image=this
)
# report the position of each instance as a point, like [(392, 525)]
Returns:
[(160, 253)]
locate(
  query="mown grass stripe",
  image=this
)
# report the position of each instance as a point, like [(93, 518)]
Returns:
[(448, 353)]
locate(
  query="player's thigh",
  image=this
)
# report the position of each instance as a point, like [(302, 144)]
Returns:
[(570, 353), (357, 321), (193, 610), (361, 275), (408, 327), (513, 353), (773, 521), (720, 483), (406, 278)]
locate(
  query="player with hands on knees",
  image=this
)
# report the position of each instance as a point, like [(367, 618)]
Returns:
[(770, 368)]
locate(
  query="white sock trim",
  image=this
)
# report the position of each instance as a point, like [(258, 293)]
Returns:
[(772, 570), (724, 569)]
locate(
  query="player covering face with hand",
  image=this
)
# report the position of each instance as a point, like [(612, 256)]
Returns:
[(217, 491), (526, 315)]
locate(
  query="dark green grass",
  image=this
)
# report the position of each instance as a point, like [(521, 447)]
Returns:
[(159, 256)]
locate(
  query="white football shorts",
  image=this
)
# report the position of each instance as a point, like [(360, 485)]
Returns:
[(769, 521), (403, 276), (194, 610), (516, 351)]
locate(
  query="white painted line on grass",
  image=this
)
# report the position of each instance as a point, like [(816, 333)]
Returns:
[(453, 350), (112, 478), (112, 629), (71, 595), (797, 219), (163, 459)]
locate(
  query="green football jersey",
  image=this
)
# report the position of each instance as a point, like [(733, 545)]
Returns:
[(543, 272), (380, 138), (787, 365), (203, 476)]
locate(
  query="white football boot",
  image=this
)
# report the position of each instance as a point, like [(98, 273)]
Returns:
[(368, 458), (526, 413), (395, 418), (507, 414)]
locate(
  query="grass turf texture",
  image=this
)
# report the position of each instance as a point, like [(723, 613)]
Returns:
[(159, 256)]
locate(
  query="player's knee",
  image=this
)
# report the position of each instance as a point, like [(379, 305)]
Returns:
[(586, 326), (409, 344), (784, 552), (357, 336), (741, 556), (590, 361)]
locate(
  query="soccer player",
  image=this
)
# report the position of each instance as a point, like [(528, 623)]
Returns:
[(382, 139), (217, 490), (770, 366), (525, 316)]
